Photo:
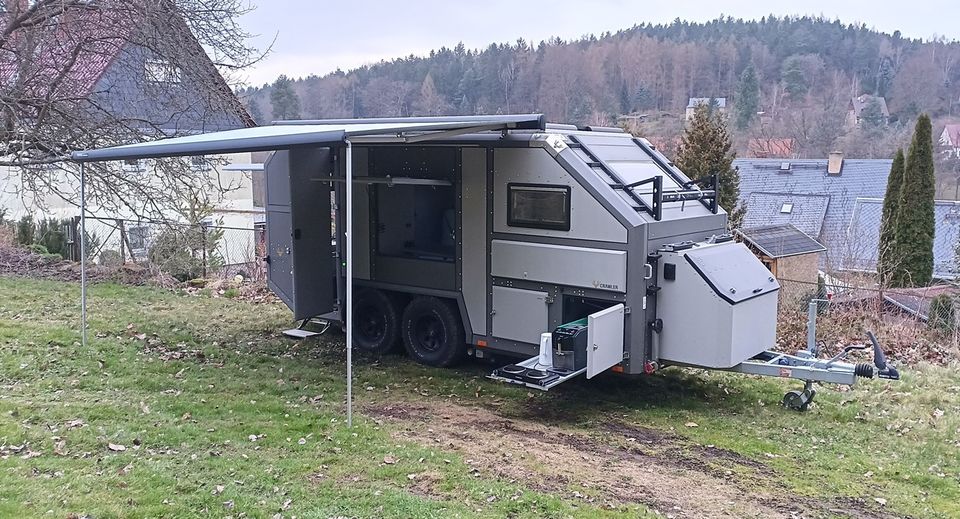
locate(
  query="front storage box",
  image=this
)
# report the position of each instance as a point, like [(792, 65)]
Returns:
[(718, 304)]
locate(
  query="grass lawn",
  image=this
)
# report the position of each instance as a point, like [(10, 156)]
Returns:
[(192, 406)]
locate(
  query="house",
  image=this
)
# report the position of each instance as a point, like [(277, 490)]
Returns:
[(861, 106), (839, 202), (865, 226), (770, 148), (950, 140), (694, 102), (93, 51), (791, 255), (816, 196)]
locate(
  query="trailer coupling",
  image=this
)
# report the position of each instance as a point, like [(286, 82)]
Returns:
[(806, 366)]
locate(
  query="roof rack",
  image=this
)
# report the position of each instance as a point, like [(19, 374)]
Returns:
[(707, 197)]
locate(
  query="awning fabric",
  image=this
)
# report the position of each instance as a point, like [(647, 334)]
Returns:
[(313, 133)]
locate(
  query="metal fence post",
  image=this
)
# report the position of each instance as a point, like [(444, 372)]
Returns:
[(123, 240), (203, 245)]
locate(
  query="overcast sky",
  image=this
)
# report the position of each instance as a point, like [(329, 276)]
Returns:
[(316, 37)]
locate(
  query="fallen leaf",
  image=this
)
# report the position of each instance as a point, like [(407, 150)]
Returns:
[(691, 424), (411, 477), (217, 490), (389, 460), (116, 447), (228, 504), (286, 504), (60, 448)]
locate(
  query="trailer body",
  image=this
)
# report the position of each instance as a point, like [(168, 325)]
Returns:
[(525, 231)]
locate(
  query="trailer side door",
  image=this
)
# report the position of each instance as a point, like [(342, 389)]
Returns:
[(300, 262)]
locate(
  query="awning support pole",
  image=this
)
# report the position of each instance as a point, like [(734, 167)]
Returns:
[(348, 254), (83, 255)]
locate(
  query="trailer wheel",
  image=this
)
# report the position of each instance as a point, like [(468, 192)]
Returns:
[(798, 400), (376, 321), (432, 332)]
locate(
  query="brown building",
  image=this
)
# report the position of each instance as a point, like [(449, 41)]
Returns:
[(791, 255)]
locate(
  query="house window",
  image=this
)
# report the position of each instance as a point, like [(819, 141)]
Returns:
[(133, 165), (538, 206), (161, 71), (258, 187), (199, 163), (786, 208), (137, 237)]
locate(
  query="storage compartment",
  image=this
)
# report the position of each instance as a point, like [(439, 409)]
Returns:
[(590, 345), (718, 304)]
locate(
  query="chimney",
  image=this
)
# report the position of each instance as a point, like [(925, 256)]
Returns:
[(835, 163)]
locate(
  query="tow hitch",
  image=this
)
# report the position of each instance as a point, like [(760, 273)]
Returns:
[(805, 365)]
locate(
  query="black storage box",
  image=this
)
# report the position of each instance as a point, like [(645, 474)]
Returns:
[(570, 346)]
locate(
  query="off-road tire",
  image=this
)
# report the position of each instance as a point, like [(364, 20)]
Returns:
[(432, 332)]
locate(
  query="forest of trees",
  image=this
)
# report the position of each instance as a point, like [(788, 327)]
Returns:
[(799, 73)]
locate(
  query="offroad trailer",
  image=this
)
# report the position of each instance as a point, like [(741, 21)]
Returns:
[(578, 249)]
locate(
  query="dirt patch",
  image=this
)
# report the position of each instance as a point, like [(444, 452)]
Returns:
[(627, 464), (20, 262)]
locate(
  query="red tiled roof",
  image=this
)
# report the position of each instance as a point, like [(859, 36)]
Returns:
[(770, 148), (72, 52)]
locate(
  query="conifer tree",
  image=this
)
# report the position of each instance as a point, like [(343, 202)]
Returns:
[(705, 150), (748, 97), (284, 99), (887, 259), (915, 218)]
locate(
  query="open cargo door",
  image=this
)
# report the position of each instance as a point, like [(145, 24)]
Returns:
[(604, 340), (603, 344), (300, 263)]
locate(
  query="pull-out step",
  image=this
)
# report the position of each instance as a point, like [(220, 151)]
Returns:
[(302, 331)]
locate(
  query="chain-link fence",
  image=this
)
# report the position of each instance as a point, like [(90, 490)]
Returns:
[(182, 251)]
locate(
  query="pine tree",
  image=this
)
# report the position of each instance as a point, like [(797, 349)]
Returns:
[(794, 78), (915, 219), (705, 150), (284, 100), (887, 260), (748, 97)]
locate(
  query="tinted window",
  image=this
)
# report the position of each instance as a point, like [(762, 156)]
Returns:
[(538, 206)]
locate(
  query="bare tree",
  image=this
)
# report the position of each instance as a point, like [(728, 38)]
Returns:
[(76, 74)]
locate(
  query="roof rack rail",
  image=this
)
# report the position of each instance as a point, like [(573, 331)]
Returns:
[(603, 129)]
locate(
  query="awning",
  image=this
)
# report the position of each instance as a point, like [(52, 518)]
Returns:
[(292, 135), (311, 133)]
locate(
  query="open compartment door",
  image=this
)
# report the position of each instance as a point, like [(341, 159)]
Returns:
[(604, 339), (300, 262)]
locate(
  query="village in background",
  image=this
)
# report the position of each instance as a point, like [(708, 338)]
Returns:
[(814, 109)]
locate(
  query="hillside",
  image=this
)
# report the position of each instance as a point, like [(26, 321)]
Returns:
[(807, 71)]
